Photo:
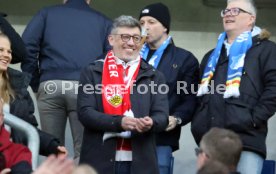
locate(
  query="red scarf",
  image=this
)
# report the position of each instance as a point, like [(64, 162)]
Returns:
[(115, 92)]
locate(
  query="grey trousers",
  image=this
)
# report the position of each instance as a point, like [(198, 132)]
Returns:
[(57, 101)]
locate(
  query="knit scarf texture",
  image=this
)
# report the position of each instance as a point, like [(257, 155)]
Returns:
[(157, 55), (116, 96), (237, 55)]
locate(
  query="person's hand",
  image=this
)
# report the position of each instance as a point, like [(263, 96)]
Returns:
[(5, 171), (55, 165), (144, 124), (62, 151), (172, 123), (128, 123)]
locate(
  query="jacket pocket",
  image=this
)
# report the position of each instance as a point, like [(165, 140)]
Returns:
[(238, 115)]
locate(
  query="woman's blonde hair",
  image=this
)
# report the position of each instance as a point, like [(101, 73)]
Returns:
[(6, 91)]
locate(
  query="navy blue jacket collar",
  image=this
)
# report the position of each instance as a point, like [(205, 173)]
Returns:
[(79, 4)]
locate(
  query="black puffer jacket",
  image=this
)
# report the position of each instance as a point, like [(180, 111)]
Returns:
[(22, 106), (247, 115)]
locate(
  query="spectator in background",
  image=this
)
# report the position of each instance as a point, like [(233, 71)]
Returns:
[(14, 157), (243, 73), (60, 41), (179, 67), (17, 45), (120, 120), (14, 93), (220, 145)]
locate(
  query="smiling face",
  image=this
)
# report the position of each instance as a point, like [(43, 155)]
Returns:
[(5, 53), (235, 25), (125, 50)]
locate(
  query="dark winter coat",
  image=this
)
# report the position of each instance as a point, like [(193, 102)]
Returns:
[(22, 106), (102, 155), (180, 68), (248, 114), (63, 39)]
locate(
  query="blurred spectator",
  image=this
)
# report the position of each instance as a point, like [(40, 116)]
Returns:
[(17, 44), (14, 157), (60, 41), (15, 95), (220, 145)]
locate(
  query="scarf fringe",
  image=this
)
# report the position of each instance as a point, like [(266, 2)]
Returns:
[(203, 89), (232, 91)]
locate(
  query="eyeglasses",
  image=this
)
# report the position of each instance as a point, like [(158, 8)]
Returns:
[(198, 151), (126, 37), (233, 12)]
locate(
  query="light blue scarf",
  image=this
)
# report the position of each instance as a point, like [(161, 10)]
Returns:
[(237, 54), (156, 57)]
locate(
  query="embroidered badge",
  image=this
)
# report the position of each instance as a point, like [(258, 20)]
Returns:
[(114, 94), (145, 11)]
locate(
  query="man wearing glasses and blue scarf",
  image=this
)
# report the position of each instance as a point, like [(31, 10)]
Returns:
[(243, 62), (180, 68)]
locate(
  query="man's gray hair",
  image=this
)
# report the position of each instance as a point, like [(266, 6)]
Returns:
[(251, 6), (125, 21)]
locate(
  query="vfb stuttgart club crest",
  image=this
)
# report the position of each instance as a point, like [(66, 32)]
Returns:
[(114, 94)]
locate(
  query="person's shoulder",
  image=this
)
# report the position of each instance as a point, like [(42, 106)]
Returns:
[(99, 15), (185, 57), (264, 38), (3, 20), (183, 53), (51, 7), (269, 43), (48, 9), (96, 65), (149, 68)]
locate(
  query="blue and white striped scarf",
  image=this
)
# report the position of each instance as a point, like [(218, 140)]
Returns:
[(237, 54), (156, 57)]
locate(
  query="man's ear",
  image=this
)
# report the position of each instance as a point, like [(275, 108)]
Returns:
[(111, 40), (165, 29), (252, 20)]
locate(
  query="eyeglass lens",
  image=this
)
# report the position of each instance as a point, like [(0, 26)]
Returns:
[(126, 38)]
